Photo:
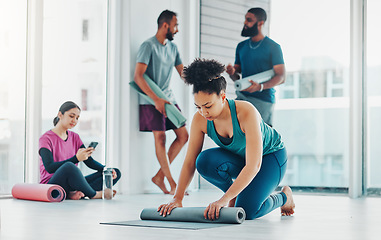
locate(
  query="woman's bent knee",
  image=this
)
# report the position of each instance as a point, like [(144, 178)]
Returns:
[(69, 168), (202, 161), (68, 165)]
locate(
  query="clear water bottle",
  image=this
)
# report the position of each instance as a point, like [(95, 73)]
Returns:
[(107, 184)]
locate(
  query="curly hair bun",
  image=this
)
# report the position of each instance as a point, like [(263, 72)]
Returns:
[(201, 71)]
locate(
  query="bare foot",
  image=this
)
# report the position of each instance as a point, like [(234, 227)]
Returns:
[(288, 208), (173, 188), (76, 195), (160, 183), (98, 195), (172, 192)]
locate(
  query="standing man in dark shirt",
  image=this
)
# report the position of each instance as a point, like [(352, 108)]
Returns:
[(257, 54)]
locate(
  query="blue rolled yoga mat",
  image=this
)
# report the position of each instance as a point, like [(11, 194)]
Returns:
[(195, 214), (173, 113), (259, 78)]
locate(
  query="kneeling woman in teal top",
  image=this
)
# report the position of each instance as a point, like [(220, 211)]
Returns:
[(250, 151)]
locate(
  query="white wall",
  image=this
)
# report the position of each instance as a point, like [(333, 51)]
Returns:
[(138, 22)]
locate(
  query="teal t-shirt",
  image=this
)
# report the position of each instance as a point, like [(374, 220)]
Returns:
[(271, 139), (160, 60), (257, 57)]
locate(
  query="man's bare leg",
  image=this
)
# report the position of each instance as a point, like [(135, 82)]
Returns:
[(173, 151), (162, 157)]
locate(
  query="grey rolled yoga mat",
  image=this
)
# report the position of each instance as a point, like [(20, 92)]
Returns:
[(259, 78), (172, 112), (195, 214)]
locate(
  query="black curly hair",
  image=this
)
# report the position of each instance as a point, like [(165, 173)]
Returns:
[(205, 76)]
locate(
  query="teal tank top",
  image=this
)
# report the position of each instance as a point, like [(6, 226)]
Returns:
[(271, 139)]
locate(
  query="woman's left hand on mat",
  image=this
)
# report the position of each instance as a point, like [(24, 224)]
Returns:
[(212, 211), (166, 209)]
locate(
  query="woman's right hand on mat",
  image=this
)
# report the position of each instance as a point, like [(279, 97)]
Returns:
[(166, 209), (84, 153), (212, 211)]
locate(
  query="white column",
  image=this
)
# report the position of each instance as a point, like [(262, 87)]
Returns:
[(192, 44), (113, 84), (33, 89), (126, 138), (356, 110)]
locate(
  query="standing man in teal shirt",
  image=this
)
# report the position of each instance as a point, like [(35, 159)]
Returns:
[(157, 57), (257, 54)]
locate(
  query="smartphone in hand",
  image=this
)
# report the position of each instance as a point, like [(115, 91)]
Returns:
[(93, 144)]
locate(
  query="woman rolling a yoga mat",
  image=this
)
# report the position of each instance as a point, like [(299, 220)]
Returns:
[(60, 152), (251, 152)]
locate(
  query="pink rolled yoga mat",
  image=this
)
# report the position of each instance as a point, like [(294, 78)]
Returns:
[(39, 192)]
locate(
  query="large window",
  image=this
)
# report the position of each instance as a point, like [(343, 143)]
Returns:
[(74, 65), (313, 105), (13, 24), (373, 73)]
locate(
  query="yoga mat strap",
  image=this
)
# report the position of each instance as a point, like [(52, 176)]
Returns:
[(195, 214)]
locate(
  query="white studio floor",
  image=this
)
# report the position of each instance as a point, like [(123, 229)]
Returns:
[(316, 217)]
